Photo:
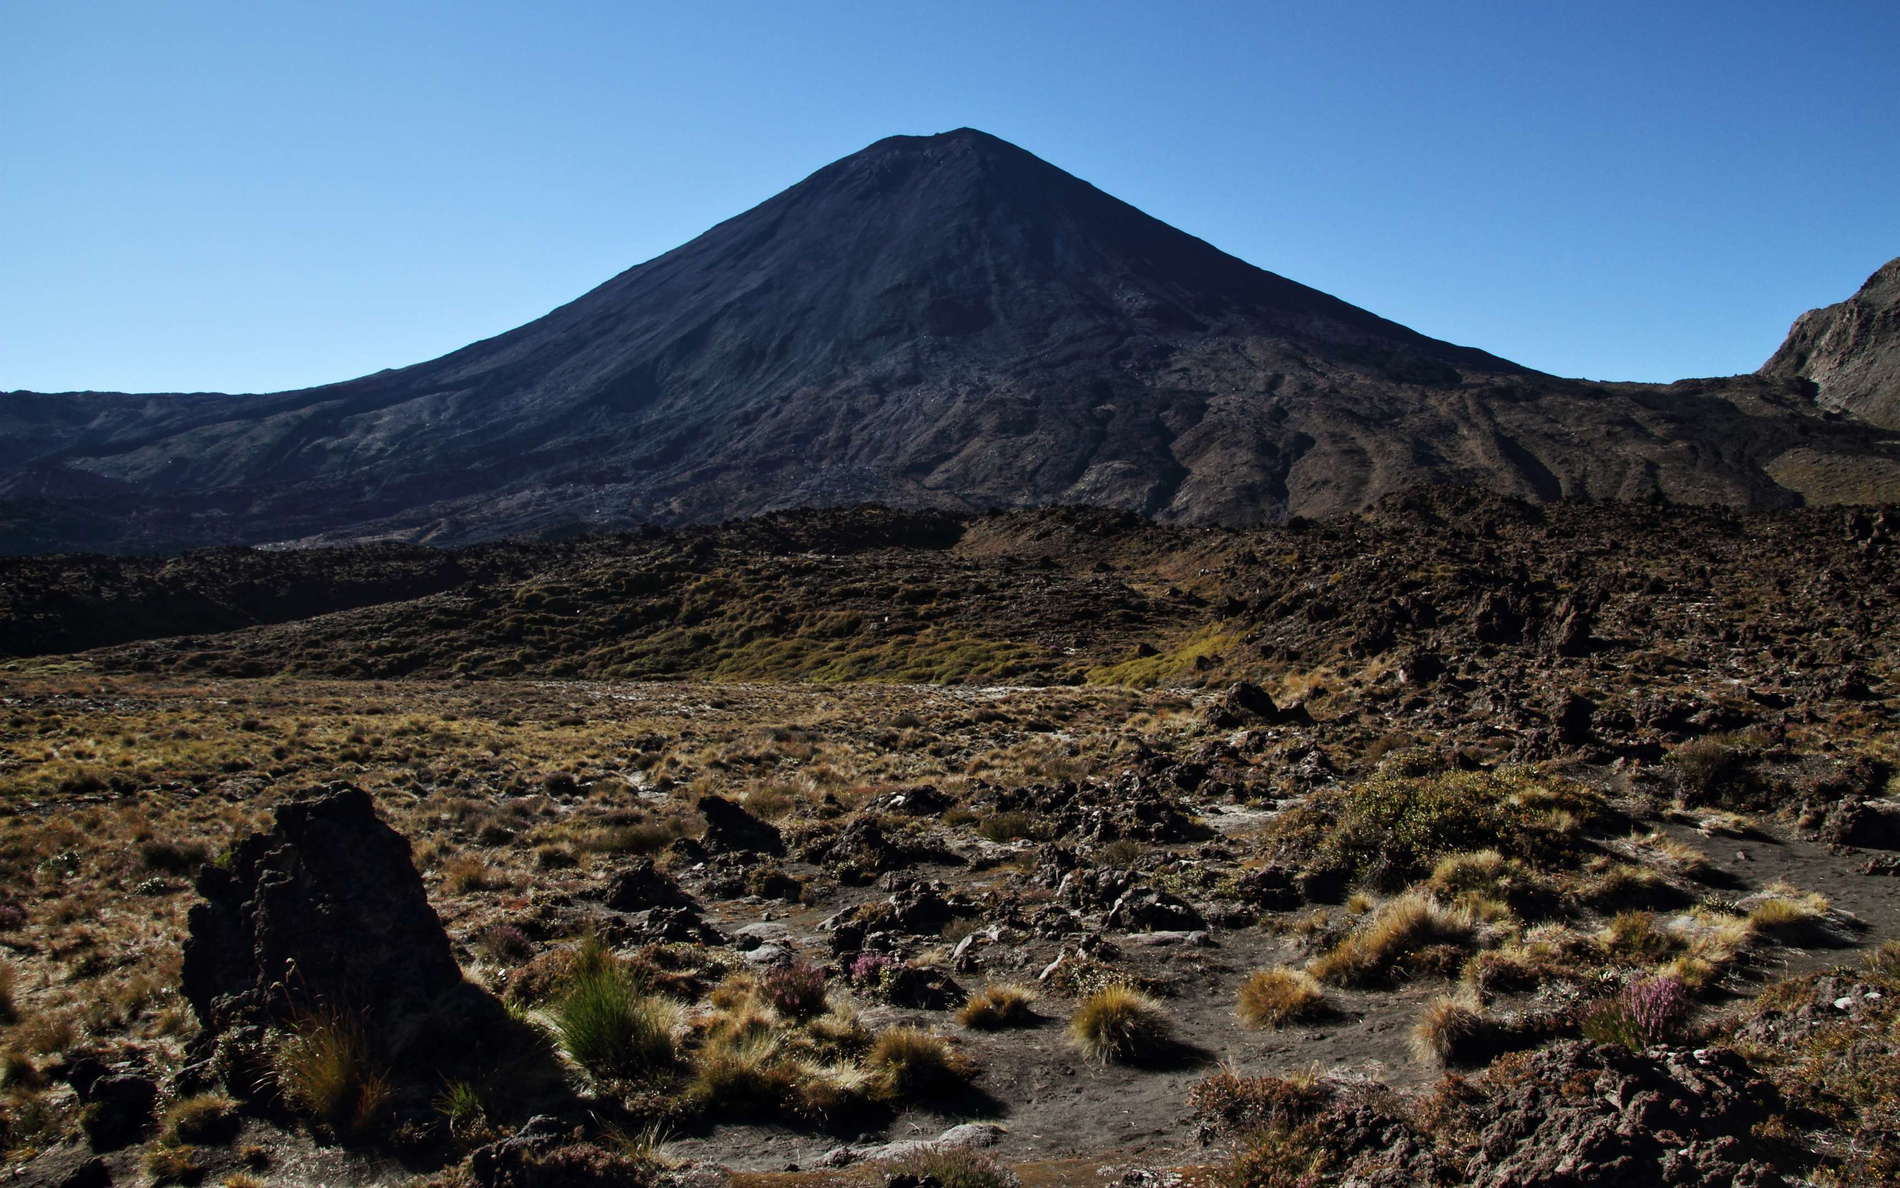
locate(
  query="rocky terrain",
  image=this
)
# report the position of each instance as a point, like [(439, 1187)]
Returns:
[(1466, 840), (1851, 351), (940, 322)]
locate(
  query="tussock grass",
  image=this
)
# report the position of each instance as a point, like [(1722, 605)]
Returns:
[(1455, 1031), (1788, 915), (998, 1006), (1121, 1024), (1377, 950), (325, 1070), (1676, 856), (202, 1119), (832, 1092), (741, 1075), (1276, 997), (909, 1064), (611, 1029), (9, 1007), (1636, 938), (950, 1167), (170, 1163)]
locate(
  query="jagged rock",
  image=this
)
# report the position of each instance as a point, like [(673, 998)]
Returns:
[(324, 910), (1421, 668), (1148, 910), (63, 1167), (1570, 718), (1582, 1113), (644, 886), (543, 1154), (1245, 702), (921, 987), (663, 925), (967, 1136), (1269, 889), (117, 1105), (729, 827), (926, 801), (1872, 824)]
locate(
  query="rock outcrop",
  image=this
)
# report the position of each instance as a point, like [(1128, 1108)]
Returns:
[(1850, 351), (324, 911)]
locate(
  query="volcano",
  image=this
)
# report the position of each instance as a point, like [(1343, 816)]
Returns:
[(936, 321)]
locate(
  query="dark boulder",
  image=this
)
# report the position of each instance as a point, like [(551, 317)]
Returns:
[(1148, 910), (323, 911), (116, 1106), (1245, 703), (642, 886), (729, 827)]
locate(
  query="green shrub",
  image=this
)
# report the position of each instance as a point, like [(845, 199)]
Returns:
[(611, 1029), (1392, 830)]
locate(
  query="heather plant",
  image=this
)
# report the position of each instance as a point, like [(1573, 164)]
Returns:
[(795, 991), (1647, 1013)]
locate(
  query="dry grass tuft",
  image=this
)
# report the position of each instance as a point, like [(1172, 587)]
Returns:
[(325, 1071), (1787, 914), (205, 1119), (998, 1006), (1377, 951), (1453, 1031), (1275, 997), (1121, 1024), (910, 1064)]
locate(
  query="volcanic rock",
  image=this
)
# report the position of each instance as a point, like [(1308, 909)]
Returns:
[(729, 827), (323, 911), (942, 322), (1851, 351)]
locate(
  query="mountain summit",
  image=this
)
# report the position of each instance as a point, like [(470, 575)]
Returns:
[(942, 321)]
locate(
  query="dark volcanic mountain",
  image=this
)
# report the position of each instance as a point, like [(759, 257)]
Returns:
[(1851, 351), (940, 321)]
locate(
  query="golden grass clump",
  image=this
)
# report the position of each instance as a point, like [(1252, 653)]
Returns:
[(1787, 914), (1673, 855), (1635, 937), (324, 1069), (1452, 1030), (169, 1163), (1122, 1024), (998, 1006), (1377, 950), (908, 1064), (202, 1119), (1275, 997), (741, 1075)]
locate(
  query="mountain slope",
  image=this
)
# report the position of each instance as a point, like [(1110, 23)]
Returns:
[(942, 321), (1851, 351)]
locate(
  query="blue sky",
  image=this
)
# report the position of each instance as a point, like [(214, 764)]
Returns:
[(258, 195)]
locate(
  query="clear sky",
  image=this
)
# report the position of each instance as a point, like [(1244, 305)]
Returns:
[(251, 195)]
